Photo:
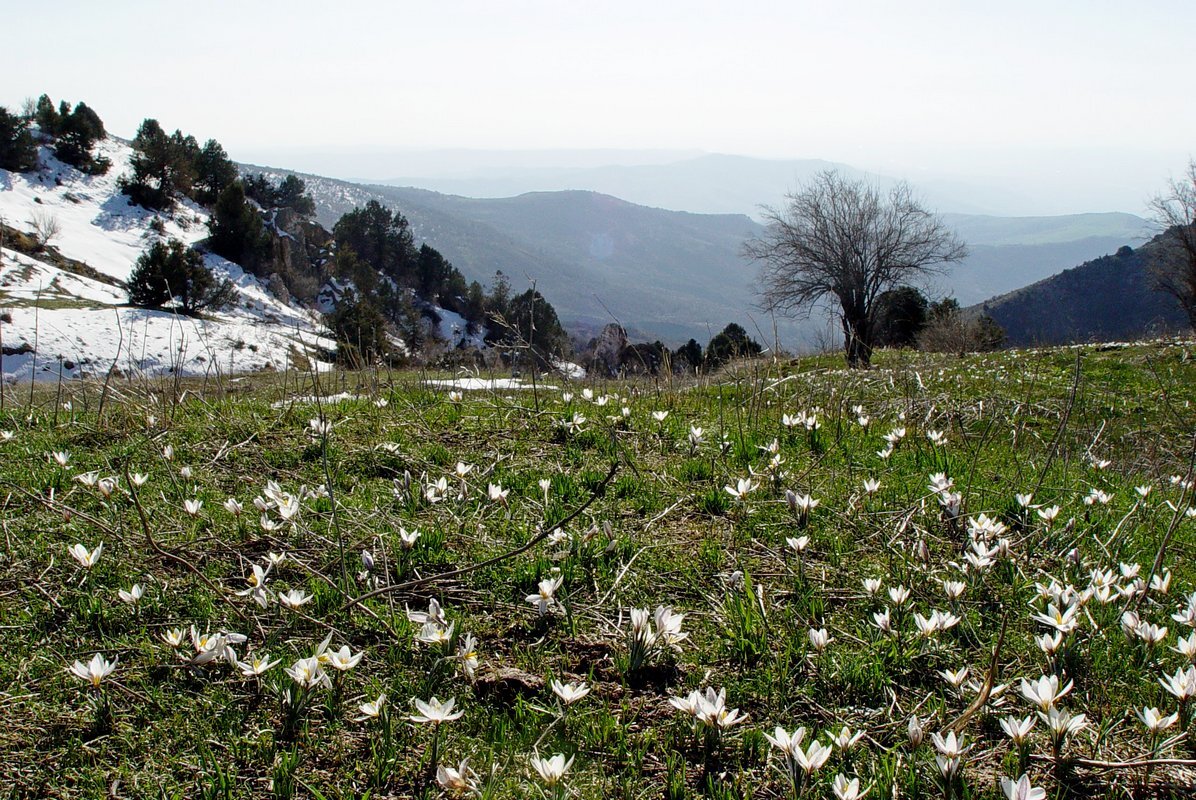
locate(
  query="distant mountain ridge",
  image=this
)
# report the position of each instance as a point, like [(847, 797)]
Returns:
[(712, 183), (707, 184), (674, 275), (1107, 298)]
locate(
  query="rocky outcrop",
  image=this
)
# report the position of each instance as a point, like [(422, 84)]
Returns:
[(607, 348), (300, 250)]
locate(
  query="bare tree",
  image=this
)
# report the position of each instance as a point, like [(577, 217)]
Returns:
[(845, 240), (1173, 265), (46, 228)]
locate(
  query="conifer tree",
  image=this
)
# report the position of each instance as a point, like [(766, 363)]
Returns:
[(214, 172), (46, 116), (379, 238), (173, 271), (78, 132), (731, 342), (292, 193), (236, 229), (162, 164), (152, 182), (18, 152)]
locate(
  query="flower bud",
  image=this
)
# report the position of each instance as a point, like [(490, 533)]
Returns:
[(916, 734)]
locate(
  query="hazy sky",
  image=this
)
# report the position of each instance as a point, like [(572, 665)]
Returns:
[(1066, 97)]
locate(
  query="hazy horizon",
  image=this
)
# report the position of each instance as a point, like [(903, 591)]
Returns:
[(1067, 108)]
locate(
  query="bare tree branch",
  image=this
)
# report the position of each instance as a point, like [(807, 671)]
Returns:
[(1173, 265), (846, 240)]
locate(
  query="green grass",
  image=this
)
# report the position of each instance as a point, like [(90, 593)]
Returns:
[(660, 530)]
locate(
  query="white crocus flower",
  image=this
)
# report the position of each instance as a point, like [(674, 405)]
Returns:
[(435, 634), (544, 600), (407, 538), (787, 743), (846, 738), (1065, 619), (813, 757), (1154, 720), (954, 589), (1049, 643), (1186, 647), (344, 659), (802, 503), (308, 673), (1182, 685), (435, 712), (132, 596), (1045, 691), (668, 627), (294, 598), (1021, 789), (845, 789), (1048, 515), (256, 665), (458, 781), (434, 614), (1018, 730), (956, 678), (569, 693), (436, 490), (467, 654), (86, 558), (94, 671), (1061, 723), (915, 731), (742, 488), (551, 770), (1161, 583), (256, 586), (371, 708), (949, 745)]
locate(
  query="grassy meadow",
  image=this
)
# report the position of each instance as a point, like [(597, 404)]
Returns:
[(947, 571)]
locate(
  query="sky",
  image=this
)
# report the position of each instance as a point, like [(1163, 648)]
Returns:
[(1078, 106)]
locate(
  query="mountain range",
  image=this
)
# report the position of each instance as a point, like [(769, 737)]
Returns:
[(662, 274), (672, 275), (1107, 298), (708, 183)]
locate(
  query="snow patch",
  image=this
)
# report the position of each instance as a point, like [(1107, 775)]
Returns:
[(77, 325), (482, 384)]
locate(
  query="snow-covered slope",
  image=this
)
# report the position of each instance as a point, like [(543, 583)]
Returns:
[(58, 316)]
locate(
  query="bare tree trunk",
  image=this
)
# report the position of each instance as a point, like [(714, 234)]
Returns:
[(857, 338)]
